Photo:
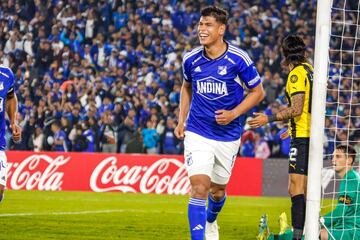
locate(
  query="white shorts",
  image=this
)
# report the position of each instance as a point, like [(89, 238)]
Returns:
[(3, 165), (210, 157)]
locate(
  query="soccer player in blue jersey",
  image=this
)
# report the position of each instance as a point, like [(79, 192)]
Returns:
[(212, 100), (8, 103)]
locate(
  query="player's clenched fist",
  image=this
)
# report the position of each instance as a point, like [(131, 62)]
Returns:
[(224, 117), (180, 131), (16, 132)]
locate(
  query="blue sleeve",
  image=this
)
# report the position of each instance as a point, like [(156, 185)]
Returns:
[(186, 71), (249, 75), (11, 81)]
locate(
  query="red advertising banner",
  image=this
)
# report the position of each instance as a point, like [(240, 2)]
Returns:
[(160, 174)]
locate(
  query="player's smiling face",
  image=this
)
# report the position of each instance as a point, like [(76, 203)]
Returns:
[(209, 30)]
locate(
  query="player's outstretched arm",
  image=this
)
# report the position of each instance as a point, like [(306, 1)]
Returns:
[(185, 99), (11, 110), (293, 111), (256, 95)]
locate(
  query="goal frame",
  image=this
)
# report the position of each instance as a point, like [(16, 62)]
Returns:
[(321, 57)]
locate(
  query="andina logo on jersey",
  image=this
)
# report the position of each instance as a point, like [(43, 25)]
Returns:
[(211, 88)]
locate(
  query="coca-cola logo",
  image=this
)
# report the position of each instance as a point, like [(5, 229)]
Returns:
[(166, 175), (38, 172)]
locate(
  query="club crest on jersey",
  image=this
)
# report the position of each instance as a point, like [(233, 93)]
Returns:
[(211, 88), (1, 85), (222, 70)]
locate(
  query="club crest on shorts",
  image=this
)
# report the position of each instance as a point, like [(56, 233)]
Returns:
[(222, 70), (2, 165), (1, 85), (188, 159)]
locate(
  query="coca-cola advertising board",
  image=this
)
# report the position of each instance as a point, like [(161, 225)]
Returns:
[(160, 174)]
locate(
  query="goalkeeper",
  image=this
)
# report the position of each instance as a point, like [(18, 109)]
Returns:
[(343, 223)]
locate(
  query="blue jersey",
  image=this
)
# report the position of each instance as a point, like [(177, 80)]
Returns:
[(60, 135), (6, 87), (217, 84), (89, 135)]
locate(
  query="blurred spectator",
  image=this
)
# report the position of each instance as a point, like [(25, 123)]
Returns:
[(80, 143), (151, 137), (89, 135), (108, 133), (357, 148), (136, 144), (59, 141), (284, 143), (261, 147), (37, 139), (170, 142), (126, 133), (247, 148)]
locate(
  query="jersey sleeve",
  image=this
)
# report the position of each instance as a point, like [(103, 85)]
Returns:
[(247, 71), (186, 67), (296, 83), (250, 76), (11, 82)]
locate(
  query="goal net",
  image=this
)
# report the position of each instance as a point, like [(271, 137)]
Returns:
[(342, 120), (335, 120)]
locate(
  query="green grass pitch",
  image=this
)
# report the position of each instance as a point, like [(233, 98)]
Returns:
[(87, 215)]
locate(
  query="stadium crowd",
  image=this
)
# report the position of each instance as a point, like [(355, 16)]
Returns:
[(106, 75)]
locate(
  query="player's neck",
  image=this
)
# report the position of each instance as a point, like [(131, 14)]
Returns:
[(215, 50), (344, 172)]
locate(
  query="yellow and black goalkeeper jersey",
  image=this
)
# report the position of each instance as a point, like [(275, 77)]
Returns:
[(300, 82)]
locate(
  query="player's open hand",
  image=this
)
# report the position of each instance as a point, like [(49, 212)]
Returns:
[(180, 131), (259, 120), (224, 117), (16, 132)]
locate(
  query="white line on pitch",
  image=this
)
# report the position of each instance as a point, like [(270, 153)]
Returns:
[(86, 212)]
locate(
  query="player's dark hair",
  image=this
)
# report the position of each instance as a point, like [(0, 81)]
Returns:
[(348, 150), (293, 48), (220, 15)]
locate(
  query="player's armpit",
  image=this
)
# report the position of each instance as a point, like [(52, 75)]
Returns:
[(296, 108), (10, 94), (186, 84)]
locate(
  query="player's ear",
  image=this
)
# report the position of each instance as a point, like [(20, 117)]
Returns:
[(349, 160), (222, 29)]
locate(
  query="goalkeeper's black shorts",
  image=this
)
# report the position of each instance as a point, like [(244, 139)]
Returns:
[(299, 156)]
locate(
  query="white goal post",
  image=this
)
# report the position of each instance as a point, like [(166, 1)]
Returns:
[(322, 40)]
